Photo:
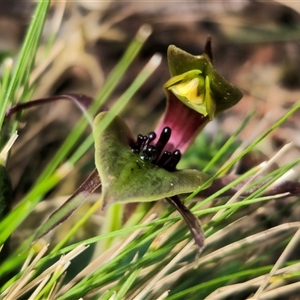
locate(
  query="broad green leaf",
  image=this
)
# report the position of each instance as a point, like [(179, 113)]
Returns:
[(126, 177)]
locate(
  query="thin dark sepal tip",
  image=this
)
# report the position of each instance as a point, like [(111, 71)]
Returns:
[(191, 220), (208, 49)]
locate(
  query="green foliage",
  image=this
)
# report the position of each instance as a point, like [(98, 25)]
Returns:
[(10, 85)]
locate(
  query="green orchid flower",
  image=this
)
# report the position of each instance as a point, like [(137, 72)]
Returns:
[(144, 169)]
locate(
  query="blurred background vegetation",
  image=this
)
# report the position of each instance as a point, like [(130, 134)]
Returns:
[(256, 45)]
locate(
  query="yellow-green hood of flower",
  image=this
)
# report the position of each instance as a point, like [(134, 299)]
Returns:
[(193, 89), (195, 81)]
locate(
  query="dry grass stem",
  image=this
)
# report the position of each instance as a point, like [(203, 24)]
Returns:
[(259, 129), (27, 272), (261, 170), (71, 255), (283, 257), (7, 147), (254, 239), (228, 291), (39, 287), (162, 272), (108, 255)]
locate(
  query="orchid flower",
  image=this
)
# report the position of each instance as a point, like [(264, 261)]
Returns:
[(144, 169)]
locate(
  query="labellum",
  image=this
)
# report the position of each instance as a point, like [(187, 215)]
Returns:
[(137, 171)]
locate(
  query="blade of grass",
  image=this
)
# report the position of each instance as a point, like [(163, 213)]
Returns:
[(78, 225), (146, 72), (228, 143), (73, 202), (18, 214), (131, 277), (245, 151), (287, 251), (33, 197), (4, 85), (25, 63), (110, 84)]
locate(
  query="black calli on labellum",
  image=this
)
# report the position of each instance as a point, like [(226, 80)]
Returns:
[(155, 153)]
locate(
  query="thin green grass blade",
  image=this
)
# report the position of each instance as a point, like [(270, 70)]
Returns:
[(78, 225), (218, 281), (4, 85), (40, 188), (118, 72), (20, 76), (20, 212), (254, 197), (127, 284), (249, 148), (110, 84), (120, 104), (113, 222), (228, 143)]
